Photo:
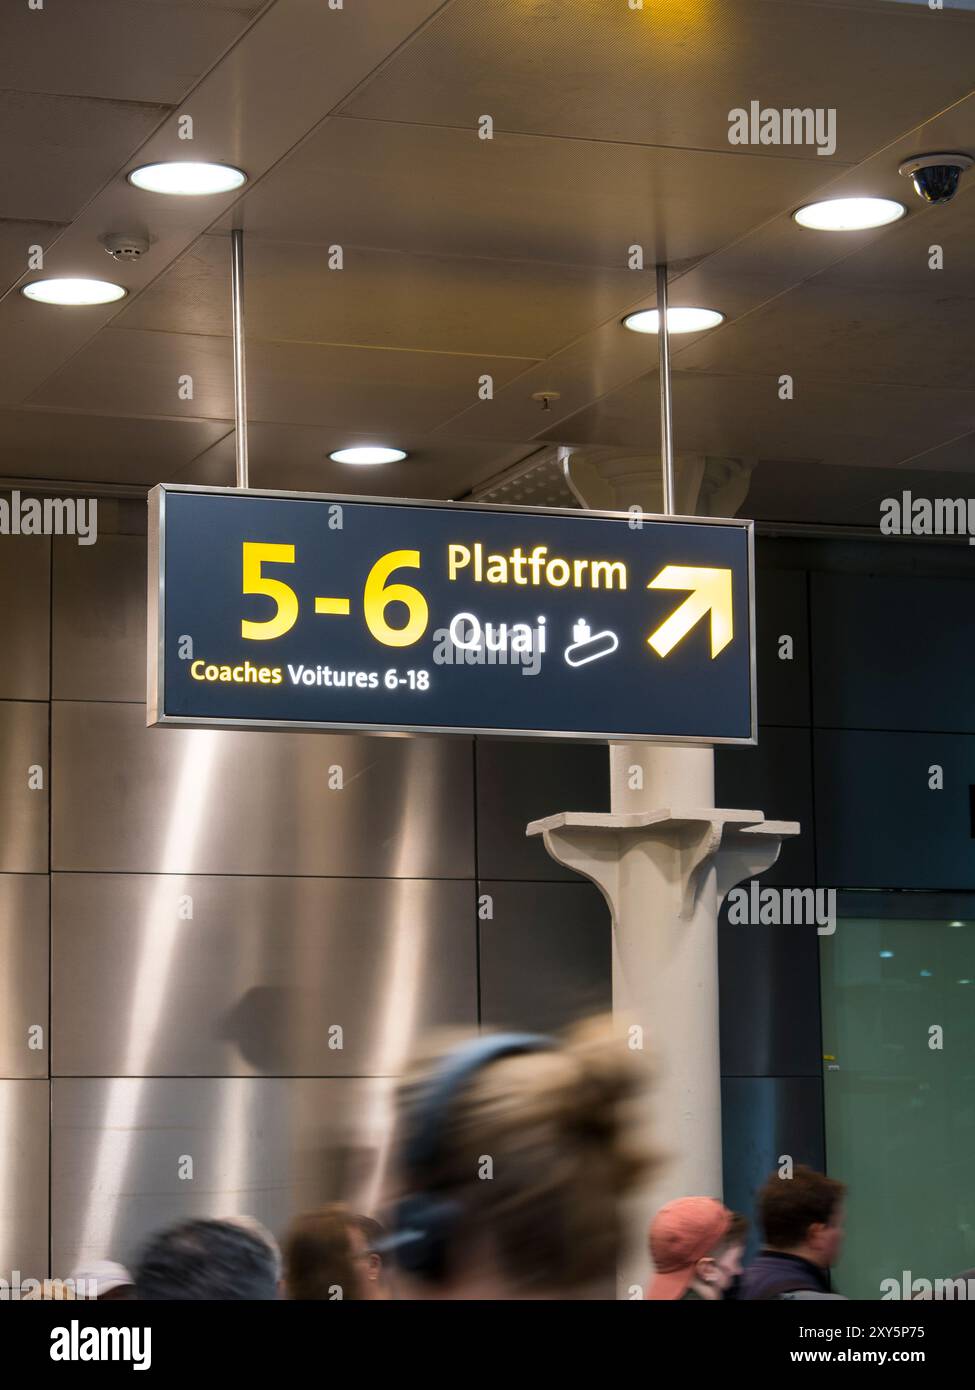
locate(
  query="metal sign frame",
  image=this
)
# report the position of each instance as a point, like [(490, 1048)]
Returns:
[(156, 629)]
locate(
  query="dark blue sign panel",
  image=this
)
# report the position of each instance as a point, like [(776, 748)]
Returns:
[(278, 609)]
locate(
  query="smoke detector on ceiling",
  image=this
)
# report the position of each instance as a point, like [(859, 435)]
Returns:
[(123, 246)]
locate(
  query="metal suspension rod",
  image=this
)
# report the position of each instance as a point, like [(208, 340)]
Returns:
[(240, 365), (666, 407)]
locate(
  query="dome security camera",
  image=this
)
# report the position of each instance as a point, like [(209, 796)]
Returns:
[(936, 176)]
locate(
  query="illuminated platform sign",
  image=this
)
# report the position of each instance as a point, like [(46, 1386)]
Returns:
[(285, 610)]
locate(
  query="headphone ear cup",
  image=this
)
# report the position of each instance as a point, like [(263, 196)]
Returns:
[(422, 1227)]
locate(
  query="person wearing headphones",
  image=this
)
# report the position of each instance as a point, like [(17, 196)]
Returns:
[(515, 1154)]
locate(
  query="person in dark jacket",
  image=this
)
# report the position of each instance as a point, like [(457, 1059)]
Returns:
[(801, 1218)]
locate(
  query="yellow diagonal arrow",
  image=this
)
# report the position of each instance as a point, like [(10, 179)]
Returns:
[(711, 593)]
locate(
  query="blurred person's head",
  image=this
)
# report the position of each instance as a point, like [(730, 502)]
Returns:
[(200, 1260), (515, 1152), (326, 1256), (261, 1232), (696, 1245), (803, 1215), (105, 1281), (368, 1236)]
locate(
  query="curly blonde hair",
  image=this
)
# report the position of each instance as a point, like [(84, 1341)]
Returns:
[(539, 1149)]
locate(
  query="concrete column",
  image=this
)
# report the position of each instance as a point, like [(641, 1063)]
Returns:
[(664, 857)]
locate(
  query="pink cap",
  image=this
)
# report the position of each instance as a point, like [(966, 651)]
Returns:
[(682, 1233)]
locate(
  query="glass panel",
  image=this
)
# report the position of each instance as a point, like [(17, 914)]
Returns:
[(899, 1094)]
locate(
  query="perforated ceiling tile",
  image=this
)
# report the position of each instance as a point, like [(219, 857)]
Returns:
[(16, 239), (94, 448), (669, 74), (295, 458), (360, 389), (59, 150), (852, 424), (146, 50), (511, 309), (435, 190)]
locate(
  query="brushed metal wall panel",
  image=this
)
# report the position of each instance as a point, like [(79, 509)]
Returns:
[(23, 812), (25, 617), (24, 1135), (521, 782), (254, 983), (265, 1148), (99, 616), (24, 997), (140, 800), (546, 955)]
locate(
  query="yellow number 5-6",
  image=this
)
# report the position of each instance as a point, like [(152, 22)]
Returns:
[(257, 555)]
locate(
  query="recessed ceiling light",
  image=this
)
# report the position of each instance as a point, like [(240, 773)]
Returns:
[(187, 179), (849, 214), (678, 320), (371, 453), (73, 291)]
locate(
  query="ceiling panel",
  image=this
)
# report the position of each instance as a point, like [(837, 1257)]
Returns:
[(95, 449), (128, 372), (289, 69), (668, 74), (385, 299), (823, 331), (295, 458), (900, 260), (433, 190), (58, 151), (16, 239), (742, 417), (609, 357), (128, 50)]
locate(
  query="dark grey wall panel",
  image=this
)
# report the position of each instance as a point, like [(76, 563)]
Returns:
[(774, 777), (892, 652), (23, 812), (879, 826), (24, 1137), (140, 800), (521, 782), (24, 997), (769, 994), (782, 610), (99, 616), (546, 956), (763, 1118), (25, 609), (260, 1147), (258, 977)]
